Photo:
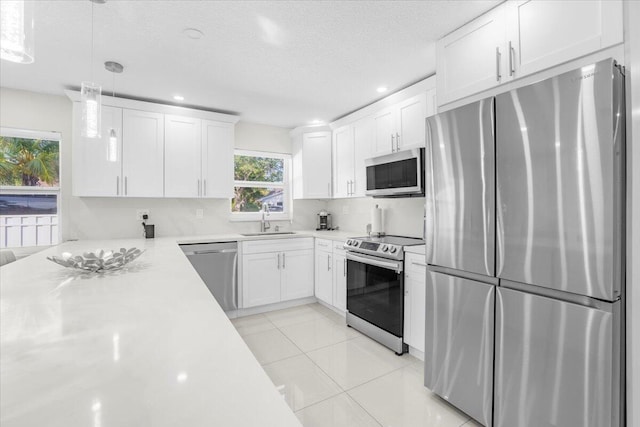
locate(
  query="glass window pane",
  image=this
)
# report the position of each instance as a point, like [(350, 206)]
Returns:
[(29, 162), (260, 169), (28, 204), (251, 199)]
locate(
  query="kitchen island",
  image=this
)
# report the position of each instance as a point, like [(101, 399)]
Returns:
[(144, 346)]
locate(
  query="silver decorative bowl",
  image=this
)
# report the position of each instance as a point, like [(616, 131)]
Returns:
[(98, 261)]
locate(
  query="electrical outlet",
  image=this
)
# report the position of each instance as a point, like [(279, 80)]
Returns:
[(199, 213), (345, 209), (141, 212)]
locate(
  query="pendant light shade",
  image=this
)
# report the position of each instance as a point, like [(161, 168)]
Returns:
[(91, 101), (112, 147), (16, 31)]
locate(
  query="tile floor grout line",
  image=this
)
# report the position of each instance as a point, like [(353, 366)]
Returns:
[(376, 378)]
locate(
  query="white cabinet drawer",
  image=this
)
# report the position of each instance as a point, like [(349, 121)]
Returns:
[(323, 245), (277, 245)]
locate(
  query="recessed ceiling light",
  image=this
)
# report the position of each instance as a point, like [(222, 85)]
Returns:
[(193, 33), (178, 97), (382, 89), (316, 122)]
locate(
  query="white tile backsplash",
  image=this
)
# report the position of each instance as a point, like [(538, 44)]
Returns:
[(401, 216)]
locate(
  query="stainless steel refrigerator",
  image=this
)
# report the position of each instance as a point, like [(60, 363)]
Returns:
[(526, 279)]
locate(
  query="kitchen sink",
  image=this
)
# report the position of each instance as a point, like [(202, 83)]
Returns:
[(268, 233)]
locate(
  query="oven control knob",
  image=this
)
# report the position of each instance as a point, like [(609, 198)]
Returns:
[(385, 248), (393, 250), (349, 242), (355, 243)]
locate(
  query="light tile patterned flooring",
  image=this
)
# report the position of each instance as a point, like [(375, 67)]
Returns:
[(333, 376)]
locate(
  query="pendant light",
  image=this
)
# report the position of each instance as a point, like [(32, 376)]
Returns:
[(16, 31), (112, 146), (91, 98)]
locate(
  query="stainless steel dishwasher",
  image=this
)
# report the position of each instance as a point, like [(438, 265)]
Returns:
[(217, 265)]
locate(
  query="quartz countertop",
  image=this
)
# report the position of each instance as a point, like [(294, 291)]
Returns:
[(144, 346)]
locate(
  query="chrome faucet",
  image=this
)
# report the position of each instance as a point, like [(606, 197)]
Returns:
[(264, 224)]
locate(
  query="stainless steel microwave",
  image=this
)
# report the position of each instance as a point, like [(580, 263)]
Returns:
[(398, 174)]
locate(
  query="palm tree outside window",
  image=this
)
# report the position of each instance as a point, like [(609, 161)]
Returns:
[(29, 188)]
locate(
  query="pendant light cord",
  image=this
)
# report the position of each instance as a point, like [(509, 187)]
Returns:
[(91, 65)]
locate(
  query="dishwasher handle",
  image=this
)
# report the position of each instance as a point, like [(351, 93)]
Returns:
[(211, 251)]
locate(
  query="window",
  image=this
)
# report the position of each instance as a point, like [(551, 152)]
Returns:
[(261, 179), (29, 188)]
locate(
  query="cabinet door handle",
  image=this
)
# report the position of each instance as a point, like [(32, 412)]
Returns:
[(353, 188), (328, 262), (498, 76), (278, 261), (117, 185), (198, 188), (204, 183), (284, 260), (511, 59), (126, 187), (392, 146), (397, 141)]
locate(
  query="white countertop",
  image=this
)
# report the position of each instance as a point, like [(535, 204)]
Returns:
[(145, 346)]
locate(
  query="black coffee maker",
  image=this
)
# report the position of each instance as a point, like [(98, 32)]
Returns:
[(324, 221)]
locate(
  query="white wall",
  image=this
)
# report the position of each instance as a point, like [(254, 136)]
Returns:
[(400, 216), (100, 218)]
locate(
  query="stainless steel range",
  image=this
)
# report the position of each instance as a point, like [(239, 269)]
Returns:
[(375, 287)]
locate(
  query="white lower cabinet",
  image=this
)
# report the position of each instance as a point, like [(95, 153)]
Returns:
[(331, 273), (276, 270), (323, 269), (340, 279), (296, 274), (415, 280), (260, 279)]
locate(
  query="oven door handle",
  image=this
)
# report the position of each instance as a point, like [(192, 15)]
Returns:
[(389, 265)]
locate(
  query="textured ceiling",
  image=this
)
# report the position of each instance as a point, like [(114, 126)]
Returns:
[(282, 63)]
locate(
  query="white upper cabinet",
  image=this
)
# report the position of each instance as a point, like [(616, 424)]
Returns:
[(143, 153), (521, 37), (469, 60), (217, 159), (182, 156), (153, 153), (410, 128), (384, 129), (571, 29), (97, 164), (401, 126), (362, 138), (198, 158), (312, 166), (343, 159)]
